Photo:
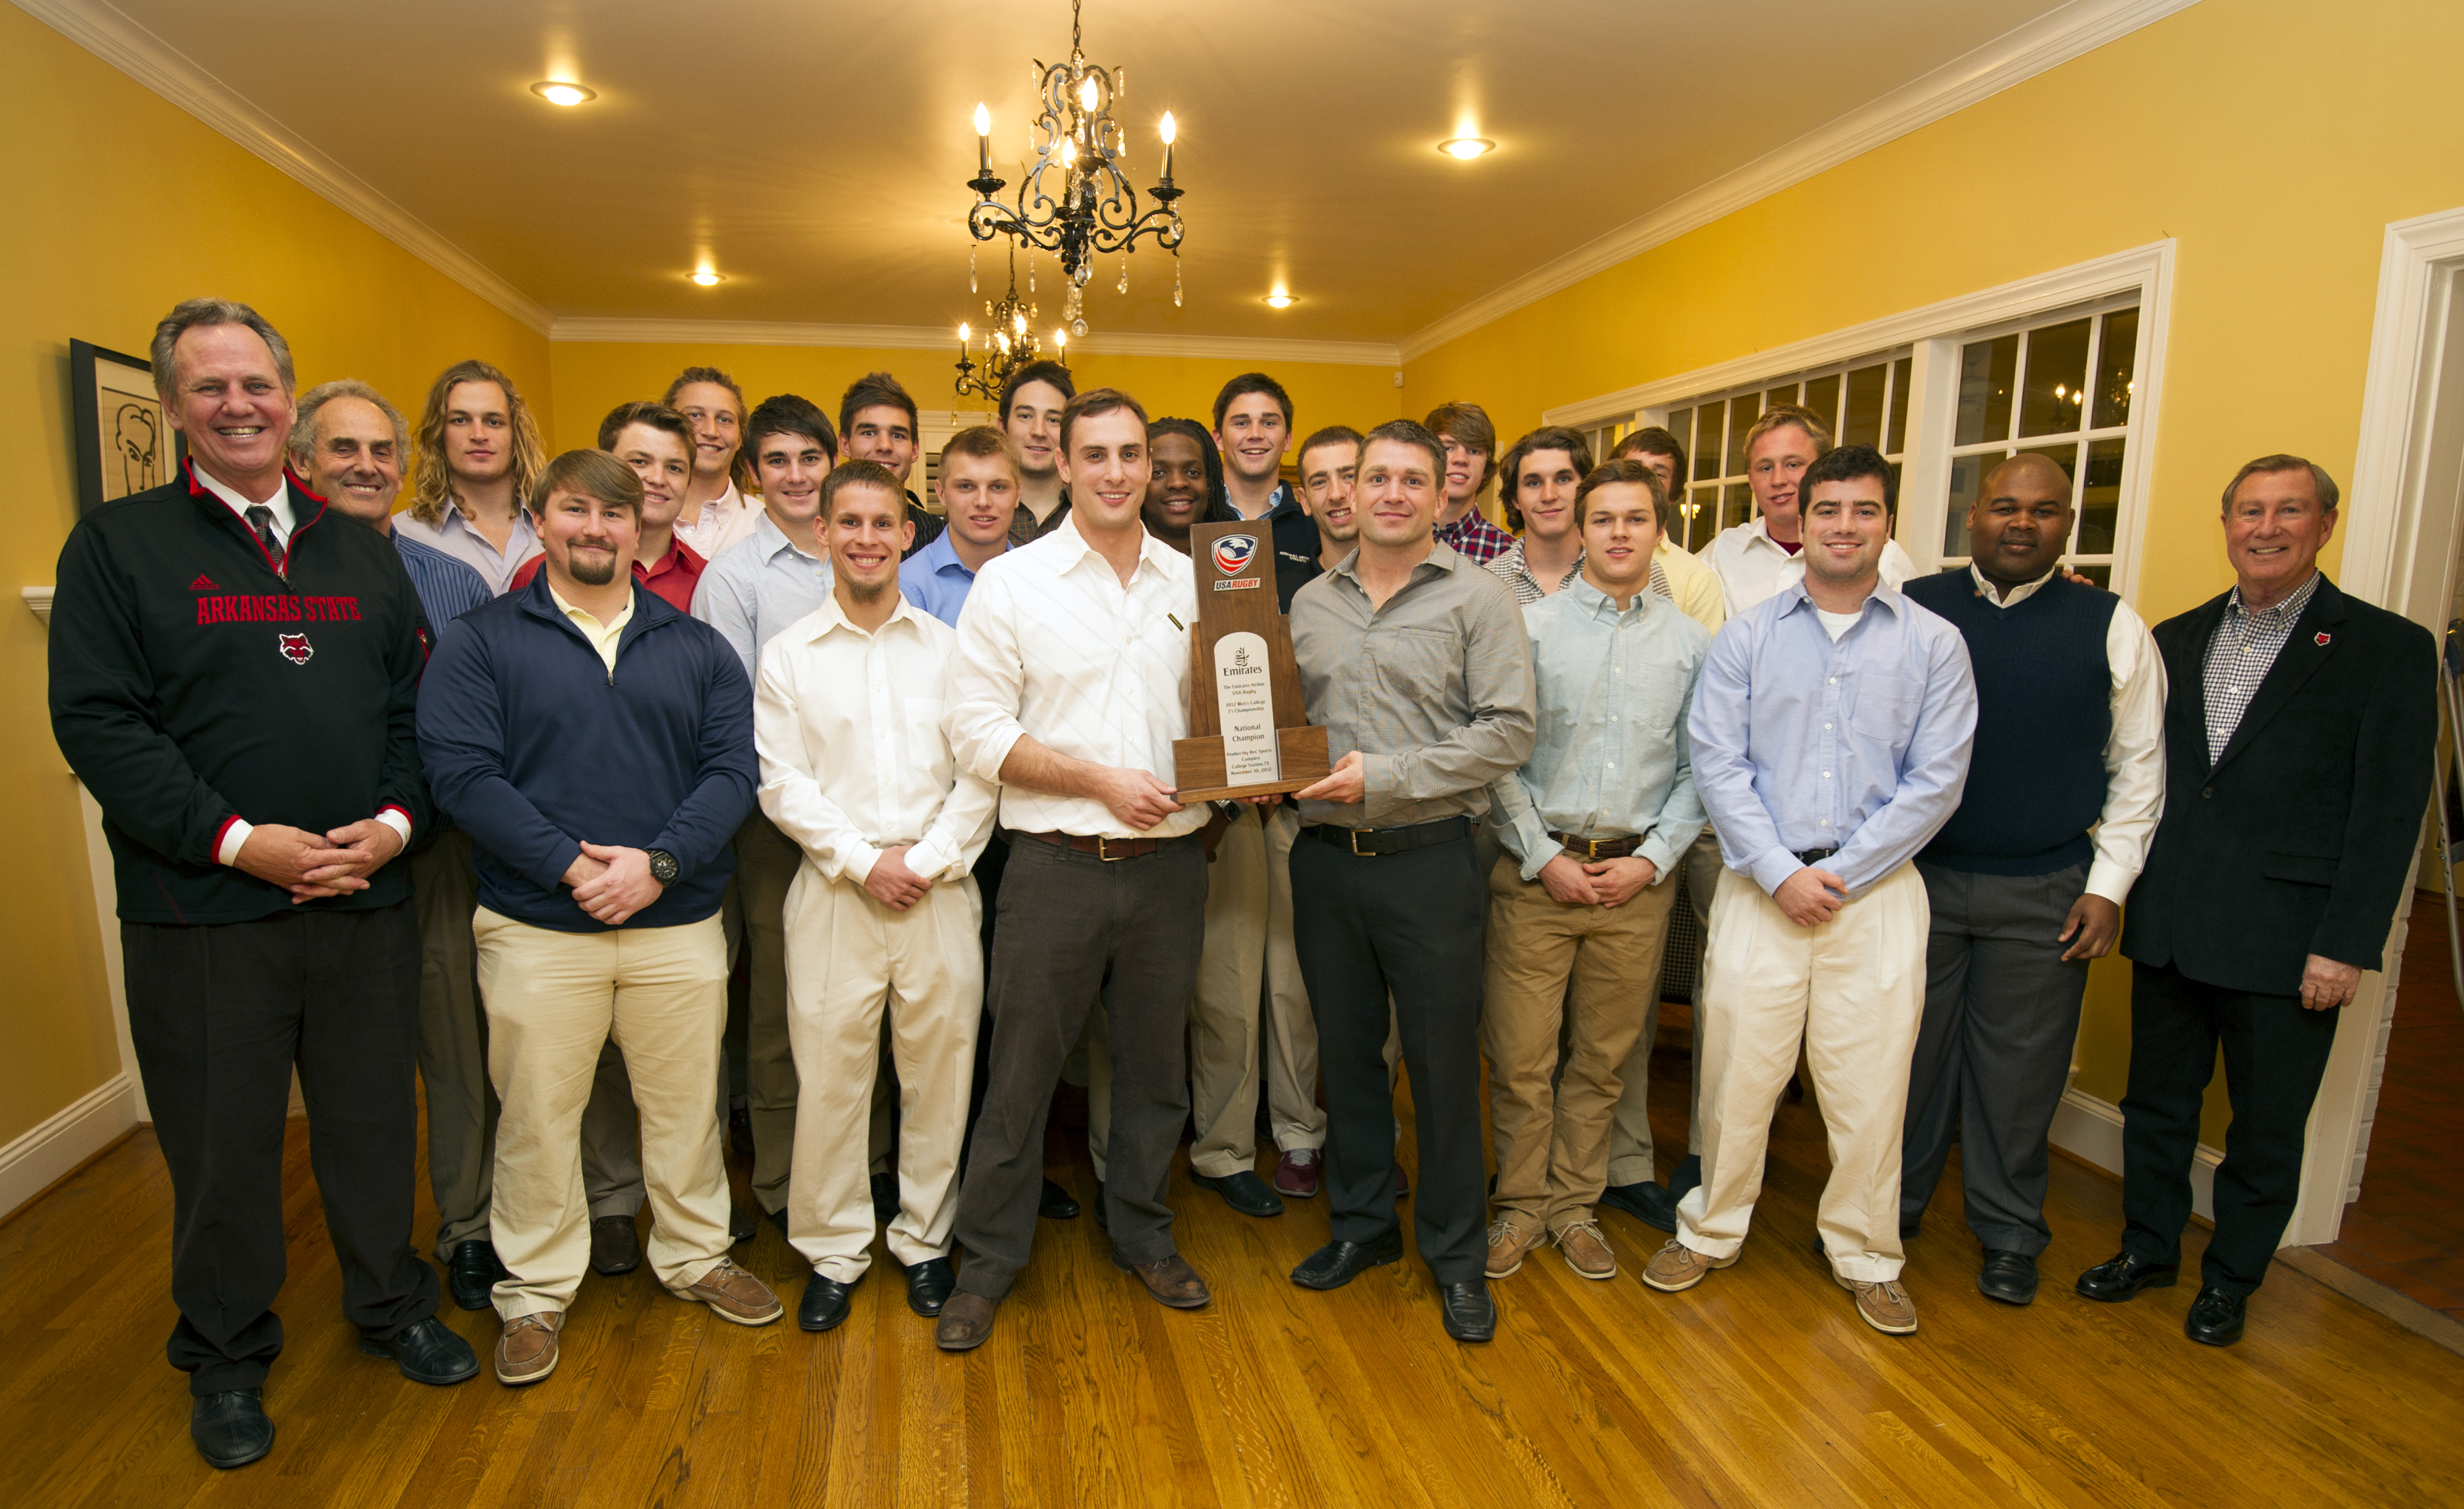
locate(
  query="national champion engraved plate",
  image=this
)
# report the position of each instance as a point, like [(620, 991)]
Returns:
[(1244, 699)]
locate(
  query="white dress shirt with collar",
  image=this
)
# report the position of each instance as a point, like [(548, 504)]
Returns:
[(453, 533), (853, 758), (2134, 751), (719, 523), (1753, 567), (1050, 643)]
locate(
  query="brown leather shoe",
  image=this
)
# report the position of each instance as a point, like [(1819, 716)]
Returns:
[(1676, 1267), (1172, 1281), (615, 1247), (526, 1351), (1508, 1243), (1885, 1306), (1587, 1251), (966, 1322), (735, 1295)]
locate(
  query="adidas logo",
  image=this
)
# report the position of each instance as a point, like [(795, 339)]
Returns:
[(204, 583)]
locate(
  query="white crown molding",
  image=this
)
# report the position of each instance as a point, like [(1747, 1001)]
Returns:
[(2045, 43), (111, 35), (934, 338)]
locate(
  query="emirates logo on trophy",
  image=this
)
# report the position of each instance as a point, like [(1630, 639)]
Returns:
[(1241, 656)]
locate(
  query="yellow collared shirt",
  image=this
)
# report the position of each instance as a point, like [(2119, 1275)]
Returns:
[(603, 636)]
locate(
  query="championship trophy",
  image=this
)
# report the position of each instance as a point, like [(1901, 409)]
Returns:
[(1245, 734)]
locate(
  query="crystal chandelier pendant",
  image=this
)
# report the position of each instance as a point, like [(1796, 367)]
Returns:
[(1176, 280), (971, 270), (1125, 275)]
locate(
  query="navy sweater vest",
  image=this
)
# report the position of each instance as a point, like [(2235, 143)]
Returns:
[(2044, 711)]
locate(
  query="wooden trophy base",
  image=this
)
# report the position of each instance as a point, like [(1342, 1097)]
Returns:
[(1198, 765)]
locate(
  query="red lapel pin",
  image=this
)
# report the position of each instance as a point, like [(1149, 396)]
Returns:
[(2325, 636)]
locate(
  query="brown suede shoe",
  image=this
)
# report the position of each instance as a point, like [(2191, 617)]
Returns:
[(1508, 1243), (735, 1295), (1885, 1306), (1678, 1267), (526, 1351), (1172, 1281), (1586, 1249), (966, 1322)]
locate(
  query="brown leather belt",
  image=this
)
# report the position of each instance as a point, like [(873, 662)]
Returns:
[(1095, 844), (1597, 848)]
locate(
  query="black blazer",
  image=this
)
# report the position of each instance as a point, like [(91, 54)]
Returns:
[(2297, 840)]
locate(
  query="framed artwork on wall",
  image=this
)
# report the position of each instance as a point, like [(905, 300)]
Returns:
[(125, 443)]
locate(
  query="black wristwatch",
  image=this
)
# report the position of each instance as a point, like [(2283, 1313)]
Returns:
[(663, 867)]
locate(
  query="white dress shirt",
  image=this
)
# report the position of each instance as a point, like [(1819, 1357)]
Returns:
[(1052, 645), (1754, 567), (453, 533), (2134, 751), (719, 523), (853, 758)]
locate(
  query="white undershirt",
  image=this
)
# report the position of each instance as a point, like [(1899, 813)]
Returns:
[(1835, 624)]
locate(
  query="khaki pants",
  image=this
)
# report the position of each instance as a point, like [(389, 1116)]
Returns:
[(766, 861), (851, 964), (611, 1136), (1589, 971), (1852, 990), (553, 999), (1633, 1156), (1248, 958), (453, 1044)]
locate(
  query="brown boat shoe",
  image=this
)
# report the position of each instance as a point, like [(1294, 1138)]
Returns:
[(1676, 1267), (1586, 1249), (1509, 1244), (1885, 1306), (527, 1351), (734, 1295)]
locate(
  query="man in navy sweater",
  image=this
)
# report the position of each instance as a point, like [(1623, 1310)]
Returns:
[(597, 745), (2027, 879), (233, 672)]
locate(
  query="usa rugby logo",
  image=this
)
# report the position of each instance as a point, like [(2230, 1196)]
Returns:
[(1233, 552)]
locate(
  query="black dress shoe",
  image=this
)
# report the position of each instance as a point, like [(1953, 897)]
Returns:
[(2118, 1278), (885, 1198), (1685, 1177), (1245, 1191), (1337, 1264), (2008, 1276), (1646, 1202), (778, 1219), (1470, 1314), (1103, 1216), (741, 1227), (824, 1303), (230, 1429), (426, 1352), (1056, 1204), (929, 1284), (739, 1130), (615, 1246), (2216, 1317), (472, 1272)]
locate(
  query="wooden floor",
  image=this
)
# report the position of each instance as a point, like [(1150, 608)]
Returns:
[(1760, 1387)]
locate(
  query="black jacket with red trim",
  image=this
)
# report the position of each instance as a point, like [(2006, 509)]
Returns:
[(196, 681)]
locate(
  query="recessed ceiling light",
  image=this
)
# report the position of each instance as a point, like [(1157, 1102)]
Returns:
[(557, 91), (1466, 147), (708, 278), (1279, 299)]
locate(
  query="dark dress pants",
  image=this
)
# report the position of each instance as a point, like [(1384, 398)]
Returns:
[(2275, 1053), (1994, 1051), (1409, 924), (219, 1014), (1072, 924)]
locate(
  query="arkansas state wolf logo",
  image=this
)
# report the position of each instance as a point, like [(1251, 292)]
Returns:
[(295, 647), (1233, 552)]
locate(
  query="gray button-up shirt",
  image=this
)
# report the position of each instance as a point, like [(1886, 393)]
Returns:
[(756, 587), (1435, 687), (1611, 759)]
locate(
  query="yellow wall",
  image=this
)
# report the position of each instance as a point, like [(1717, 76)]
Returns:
[(594, 377), (2273, 148), (120, 205)]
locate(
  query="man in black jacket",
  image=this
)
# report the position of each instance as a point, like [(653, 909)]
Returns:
[(233, 672), (2299, 734)]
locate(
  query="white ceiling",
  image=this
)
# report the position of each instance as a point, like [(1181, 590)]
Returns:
[(816, 153)]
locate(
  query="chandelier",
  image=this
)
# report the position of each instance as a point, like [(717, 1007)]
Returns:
[(1009, 340), (1075, 201)]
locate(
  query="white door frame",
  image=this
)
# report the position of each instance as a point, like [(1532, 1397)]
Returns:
[(2402, 526)]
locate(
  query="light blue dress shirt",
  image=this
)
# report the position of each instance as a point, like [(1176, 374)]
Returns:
[(1611, 758), (758, 586), (936, 579), (1801, 742)]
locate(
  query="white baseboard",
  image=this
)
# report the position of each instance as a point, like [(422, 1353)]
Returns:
[(2089, 1128), (34, 1161)]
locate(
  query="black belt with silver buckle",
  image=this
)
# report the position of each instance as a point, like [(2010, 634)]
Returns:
[(1816, 856), (1370, 843), (1597, 849)]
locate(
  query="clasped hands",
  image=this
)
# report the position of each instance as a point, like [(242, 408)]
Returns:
[(1596, 883), (312, 865), (613, 882)]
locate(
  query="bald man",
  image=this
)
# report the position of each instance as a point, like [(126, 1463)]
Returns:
[(2027, 879)]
